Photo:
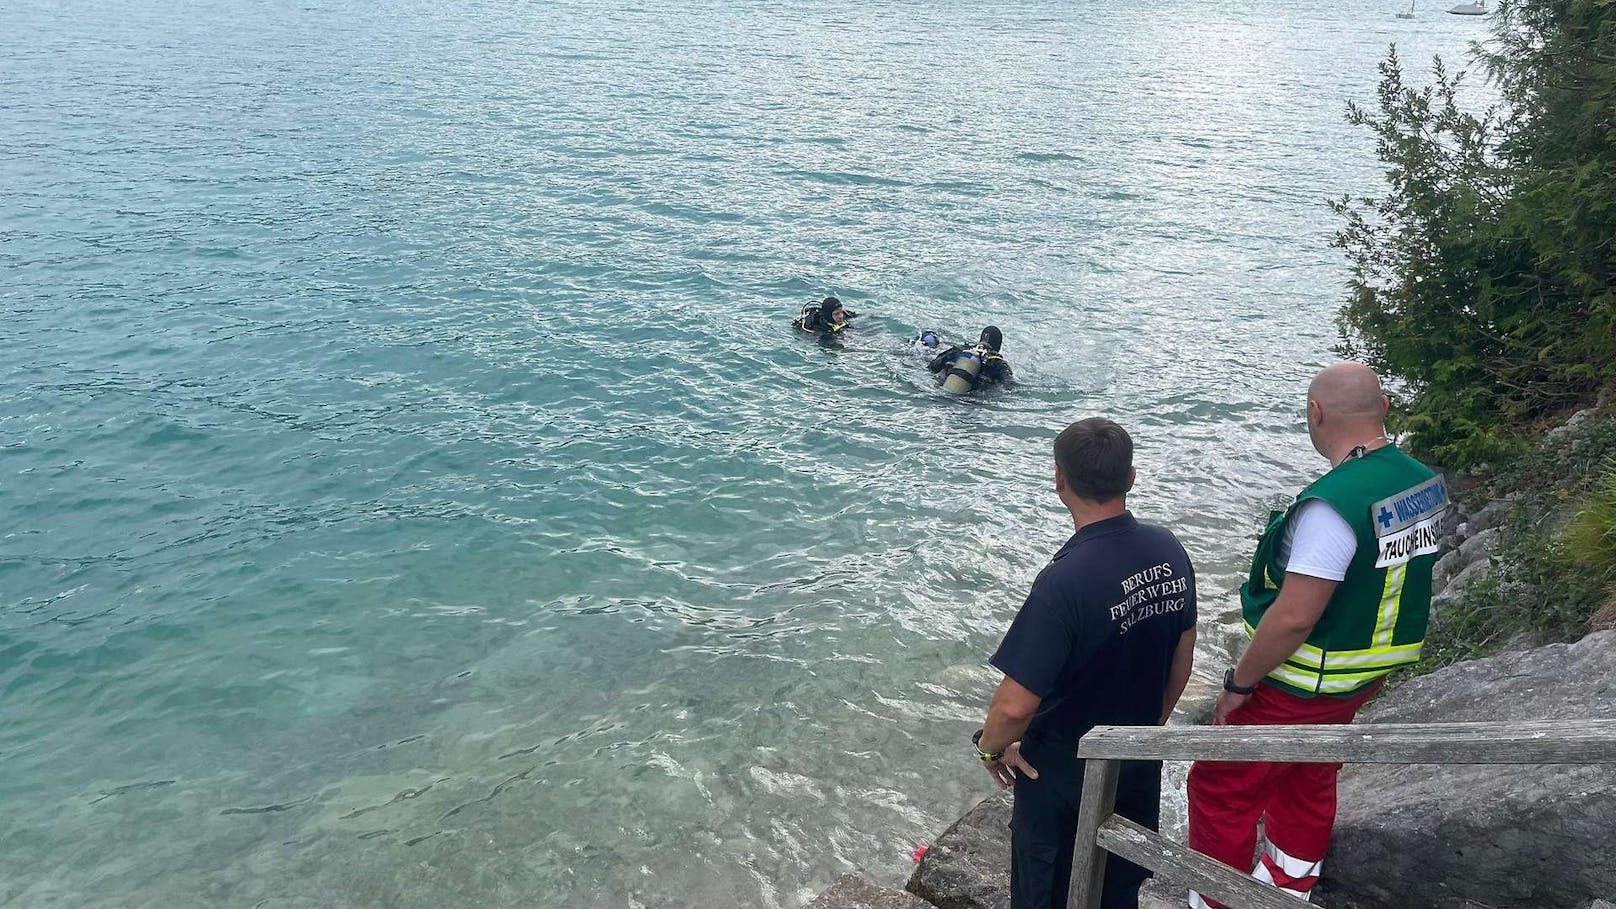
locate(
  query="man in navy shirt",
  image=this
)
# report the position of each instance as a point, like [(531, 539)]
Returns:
[(1106, 637)]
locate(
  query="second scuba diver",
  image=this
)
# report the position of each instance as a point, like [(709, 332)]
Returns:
[(827, 317), (962, 370)]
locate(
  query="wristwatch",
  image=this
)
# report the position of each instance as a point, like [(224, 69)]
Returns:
[(987, 757), (1231, 687)]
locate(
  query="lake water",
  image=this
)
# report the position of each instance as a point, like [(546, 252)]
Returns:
[(412, 494)]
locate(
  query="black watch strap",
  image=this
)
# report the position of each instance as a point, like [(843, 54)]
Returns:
[(986, 756), (1231, 687)]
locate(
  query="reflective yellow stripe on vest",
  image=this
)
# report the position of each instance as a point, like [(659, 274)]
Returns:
[(1390, 601), (1313, 669)]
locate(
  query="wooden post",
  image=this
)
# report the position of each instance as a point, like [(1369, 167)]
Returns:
[(1088, 859)]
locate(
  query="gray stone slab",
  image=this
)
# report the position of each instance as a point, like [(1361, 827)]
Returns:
[(1504, 836), (854, 891)]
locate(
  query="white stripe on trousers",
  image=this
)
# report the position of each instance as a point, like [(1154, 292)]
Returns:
[(1290, 864)]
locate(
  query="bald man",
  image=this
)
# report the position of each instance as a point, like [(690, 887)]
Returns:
[(1338, 597)]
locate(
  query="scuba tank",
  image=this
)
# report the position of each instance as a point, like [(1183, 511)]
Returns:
[(814, 312), (960, 377), (810, 313)]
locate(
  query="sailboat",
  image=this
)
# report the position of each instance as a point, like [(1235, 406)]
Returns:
[(1408, 13), (1475, 8)]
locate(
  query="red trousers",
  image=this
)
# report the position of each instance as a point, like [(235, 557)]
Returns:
[(1296, 802)]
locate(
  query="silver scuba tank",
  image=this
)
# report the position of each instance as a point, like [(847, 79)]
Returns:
[(960, 377)]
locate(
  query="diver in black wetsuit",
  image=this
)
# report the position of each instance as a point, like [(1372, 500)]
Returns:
[(827, 317), (964, 369)]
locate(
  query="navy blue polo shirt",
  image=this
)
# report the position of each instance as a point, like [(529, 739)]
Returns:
[(1096, 638)]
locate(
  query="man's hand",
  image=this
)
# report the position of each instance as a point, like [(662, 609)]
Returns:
[(1228, 702), (1005, 770)]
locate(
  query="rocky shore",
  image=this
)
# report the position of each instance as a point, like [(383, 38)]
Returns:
[(1458, 836), (1443, 836), (1446, 837)]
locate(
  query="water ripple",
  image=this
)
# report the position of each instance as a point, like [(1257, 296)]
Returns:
[(412, 492)]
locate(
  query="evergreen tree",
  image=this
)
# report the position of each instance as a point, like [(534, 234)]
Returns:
[(1485, 277)]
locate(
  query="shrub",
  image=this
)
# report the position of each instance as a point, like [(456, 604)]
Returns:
[(1484, 278)]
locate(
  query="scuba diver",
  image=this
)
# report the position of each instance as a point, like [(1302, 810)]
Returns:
[(927, 341), (962, 370), (827, 317)]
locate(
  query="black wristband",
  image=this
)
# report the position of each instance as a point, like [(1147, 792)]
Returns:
[(1231, 687), (986, 756)]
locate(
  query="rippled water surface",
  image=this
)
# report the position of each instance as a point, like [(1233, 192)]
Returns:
[(411, 493)]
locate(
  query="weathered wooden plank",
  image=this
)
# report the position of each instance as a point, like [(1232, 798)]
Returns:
[(1212, 878), (1099, 799), (1544, 742)]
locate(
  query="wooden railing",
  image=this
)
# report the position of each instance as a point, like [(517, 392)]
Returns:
[(1100, 831)]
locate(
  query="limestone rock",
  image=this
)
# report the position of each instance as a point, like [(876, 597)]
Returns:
[(1503, 836), (1478, 547), (1455, 587), (1458, 567), (1160, 894), (1444, 570), (1197, 709), (1492, 514), (853, 891), (968, 867), (1570, 428), (1458, 513), (1449, 542)]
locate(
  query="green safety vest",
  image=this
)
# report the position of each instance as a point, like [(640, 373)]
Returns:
[(1375, 620)]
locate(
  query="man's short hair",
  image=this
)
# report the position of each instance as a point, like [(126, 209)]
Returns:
[(1095, 456)]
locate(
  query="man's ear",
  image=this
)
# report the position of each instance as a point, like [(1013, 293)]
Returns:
[(1133, 477), (1315, 413), (1060, 481)]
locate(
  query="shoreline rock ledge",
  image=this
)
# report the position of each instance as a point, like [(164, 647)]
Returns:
[(968, 867), (852, 891), (1437, 836), (1504, 835)]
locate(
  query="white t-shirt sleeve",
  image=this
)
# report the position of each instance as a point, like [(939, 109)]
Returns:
[(1318, 542)]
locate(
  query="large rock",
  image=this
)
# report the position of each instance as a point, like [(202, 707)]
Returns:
[(1493, 514), (1445, 568), (1501, 836), (1456, 586), (1478, 547), (969, 865), (852, 891), (1571, 427), (1463, 565)]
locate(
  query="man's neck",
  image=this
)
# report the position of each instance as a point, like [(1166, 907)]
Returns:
[(1369, 439), (1086, 513)]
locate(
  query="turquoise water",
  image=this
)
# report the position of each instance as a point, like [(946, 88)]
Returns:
[(411, 493)]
